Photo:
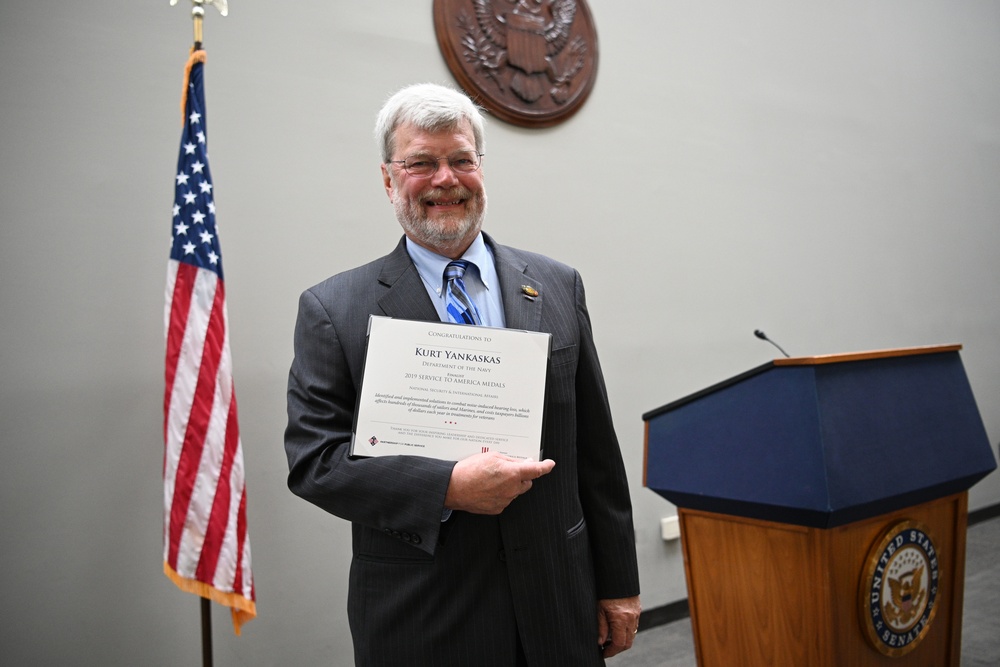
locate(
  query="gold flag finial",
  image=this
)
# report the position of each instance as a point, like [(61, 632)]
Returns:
[(198, 15)]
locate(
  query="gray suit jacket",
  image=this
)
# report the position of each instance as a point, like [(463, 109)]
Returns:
[(423, 592)]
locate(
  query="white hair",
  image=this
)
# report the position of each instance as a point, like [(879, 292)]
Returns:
[(428, 107)]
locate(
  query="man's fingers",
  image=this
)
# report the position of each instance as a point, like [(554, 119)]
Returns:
[(531, 470), (617, 623), (487, 483), (602, 629), (619, 640)]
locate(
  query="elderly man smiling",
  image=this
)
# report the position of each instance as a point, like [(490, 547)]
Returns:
[(488, 560)]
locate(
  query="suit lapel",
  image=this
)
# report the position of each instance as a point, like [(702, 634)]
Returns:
[(520, 311), (406, 297)]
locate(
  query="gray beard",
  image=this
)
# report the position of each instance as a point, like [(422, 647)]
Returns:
[(433, 234)]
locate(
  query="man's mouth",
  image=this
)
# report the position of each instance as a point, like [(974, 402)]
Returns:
[(445, 199)]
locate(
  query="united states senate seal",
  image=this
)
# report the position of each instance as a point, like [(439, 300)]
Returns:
[(530, 62), (899, 588)]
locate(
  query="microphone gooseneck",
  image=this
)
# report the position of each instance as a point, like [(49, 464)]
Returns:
[(763, 336)]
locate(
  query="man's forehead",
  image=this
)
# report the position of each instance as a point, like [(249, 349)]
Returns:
[(409, 134)]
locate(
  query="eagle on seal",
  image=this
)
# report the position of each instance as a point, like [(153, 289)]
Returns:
[(907, 596), (532, 35)]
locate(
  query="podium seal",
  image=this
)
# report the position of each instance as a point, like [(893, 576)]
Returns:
[(899, 588)]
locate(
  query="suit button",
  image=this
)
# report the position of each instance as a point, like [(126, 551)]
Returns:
[(415, 539), (406, 536)]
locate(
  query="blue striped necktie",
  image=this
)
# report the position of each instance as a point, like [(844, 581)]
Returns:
[(461, 308)]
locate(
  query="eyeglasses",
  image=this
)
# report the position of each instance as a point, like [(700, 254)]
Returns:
[(422, 165)]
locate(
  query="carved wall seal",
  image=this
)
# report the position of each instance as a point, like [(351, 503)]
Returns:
[(530, 62)]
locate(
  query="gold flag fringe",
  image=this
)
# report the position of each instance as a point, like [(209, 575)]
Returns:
[(198, 56), (241, 608)]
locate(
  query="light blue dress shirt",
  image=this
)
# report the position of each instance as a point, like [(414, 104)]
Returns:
[(481, 281)]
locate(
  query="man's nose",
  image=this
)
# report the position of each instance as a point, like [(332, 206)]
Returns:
[(444, 175)]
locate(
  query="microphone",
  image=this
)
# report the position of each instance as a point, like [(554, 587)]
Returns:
[(763, 336)]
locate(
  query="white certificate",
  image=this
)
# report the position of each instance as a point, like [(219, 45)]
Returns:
[(449, 391)]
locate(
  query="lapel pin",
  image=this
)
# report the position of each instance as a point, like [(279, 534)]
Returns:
[(529, 292)]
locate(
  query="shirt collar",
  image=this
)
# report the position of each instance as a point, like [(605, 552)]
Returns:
[(430, 265)]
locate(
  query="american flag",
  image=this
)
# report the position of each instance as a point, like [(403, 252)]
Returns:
[(206, 549)]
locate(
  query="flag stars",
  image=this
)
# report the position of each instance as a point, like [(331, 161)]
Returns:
[(195, 238)]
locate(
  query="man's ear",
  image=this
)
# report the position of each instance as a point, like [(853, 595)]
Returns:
[(387, 181)]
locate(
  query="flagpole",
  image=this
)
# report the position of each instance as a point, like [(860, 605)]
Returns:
[(198, 17), (206, 631)]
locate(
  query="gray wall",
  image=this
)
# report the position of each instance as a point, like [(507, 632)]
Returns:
[(829, 174)]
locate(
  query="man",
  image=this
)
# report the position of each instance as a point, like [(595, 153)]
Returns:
[(487, 561)]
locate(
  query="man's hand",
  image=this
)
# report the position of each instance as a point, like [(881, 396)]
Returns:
[(617, 623), (487, 483)]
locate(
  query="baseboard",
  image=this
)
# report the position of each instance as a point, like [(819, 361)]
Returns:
[(984, 514), (668, 613), (675, 611)]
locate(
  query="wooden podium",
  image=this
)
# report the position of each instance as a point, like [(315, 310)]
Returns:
[(823, 508)]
